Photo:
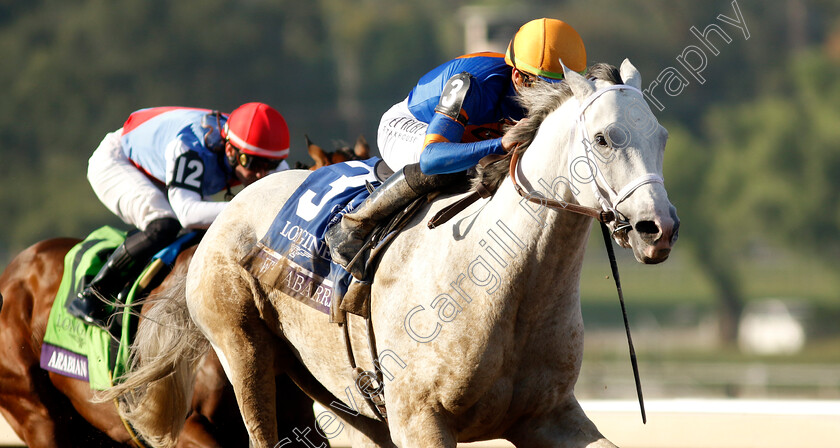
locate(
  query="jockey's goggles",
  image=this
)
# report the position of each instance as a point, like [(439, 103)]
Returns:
[(529, 78), (254, 163)]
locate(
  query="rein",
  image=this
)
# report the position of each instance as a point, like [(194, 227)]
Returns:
[(608, 213), (604, 217)]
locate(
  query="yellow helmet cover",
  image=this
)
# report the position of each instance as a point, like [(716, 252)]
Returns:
[(540, 44)]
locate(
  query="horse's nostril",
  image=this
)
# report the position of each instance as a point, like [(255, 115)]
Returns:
[(647, 227)]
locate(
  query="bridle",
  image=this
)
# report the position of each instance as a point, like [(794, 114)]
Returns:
[(608, 213)]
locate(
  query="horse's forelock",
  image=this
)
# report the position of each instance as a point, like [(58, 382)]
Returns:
[(539, 100)]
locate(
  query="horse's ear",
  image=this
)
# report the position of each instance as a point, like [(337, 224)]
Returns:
[(362, 149), (317, 154), (630, 75), (579, 85)]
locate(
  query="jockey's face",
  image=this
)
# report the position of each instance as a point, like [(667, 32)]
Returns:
[(521, 79), (247, 168)]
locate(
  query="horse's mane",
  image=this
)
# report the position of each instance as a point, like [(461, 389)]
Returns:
[(539, 100)]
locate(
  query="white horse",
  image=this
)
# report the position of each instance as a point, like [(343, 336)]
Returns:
[(478, 323)]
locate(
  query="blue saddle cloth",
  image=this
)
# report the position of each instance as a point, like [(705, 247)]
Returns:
[(292, 256)]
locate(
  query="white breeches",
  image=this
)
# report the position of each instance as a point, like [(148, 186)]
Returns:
[(123, 188), (400, 136)]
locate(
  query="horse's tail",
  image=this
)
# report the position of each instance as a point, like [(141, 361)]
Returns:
[(155, 395)]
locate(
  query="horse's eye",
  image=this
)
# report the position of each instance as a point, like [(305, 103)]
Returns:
[(600, 140)]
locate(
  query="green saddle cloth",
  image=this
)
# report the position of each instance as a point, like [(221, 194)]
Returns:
[(74, 348)]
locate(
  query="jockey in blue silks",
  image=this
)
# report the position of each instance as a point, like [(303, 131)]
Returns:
[(451, 119)]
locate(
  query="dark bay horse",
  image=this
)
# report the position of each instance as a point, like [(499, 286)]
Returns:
[(46, 409)]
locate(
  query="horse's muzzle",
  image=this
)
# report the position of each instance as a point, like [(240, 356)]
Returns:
[(655, 236)]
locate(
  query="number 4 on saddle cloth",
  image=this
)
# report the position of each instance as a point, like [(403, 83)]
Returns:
[(98, 355), (293, 257)]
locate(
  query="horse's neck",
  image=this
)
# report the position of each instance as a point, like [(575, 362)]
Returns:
[(554, 240)]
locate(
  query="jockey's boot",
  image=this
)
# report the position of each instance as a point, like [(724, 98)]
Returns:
[(94, 303), (347, 238), (97, 301)]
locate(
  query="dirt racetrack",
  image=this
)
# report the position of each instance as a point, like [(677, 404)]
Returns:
[(687, 423)]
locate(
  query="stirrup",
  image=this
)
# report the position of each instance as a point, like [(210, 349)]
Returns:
[(89, 307)]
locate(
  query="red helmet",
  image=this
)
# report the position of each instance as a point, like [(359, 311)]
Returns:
[(259, 130)]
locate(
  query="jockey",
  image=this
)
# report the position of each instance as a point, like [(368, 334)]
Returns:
[(451, 119), (157, 172)]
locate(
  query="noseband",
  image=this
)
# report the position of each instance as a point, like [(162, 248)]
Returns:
[(608, 213)]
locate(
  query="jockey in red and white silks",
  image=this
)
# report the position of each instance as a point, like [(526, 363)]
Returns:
[(159, 166), (157, 172)]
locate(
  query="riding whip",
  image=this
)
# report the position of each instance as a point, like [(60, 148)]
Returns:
[(614, 266)]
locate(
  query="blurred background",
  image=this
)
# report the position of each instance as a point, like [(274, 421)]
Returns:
[(747, 306)]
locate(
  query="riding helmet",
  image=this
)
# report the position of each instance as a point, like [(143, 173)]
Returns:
[(259, 130), (540, 44)]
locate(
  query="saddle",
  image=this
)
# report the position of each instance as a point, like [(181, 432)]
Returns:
[(293, 258), (357, 298), (88, 352)]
